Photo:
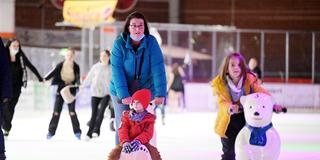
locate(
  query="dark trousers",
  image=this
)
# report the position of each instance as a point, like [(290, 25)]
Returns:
[(237, 122), (57, 112), (8, 111), (2, 146), (97, 113)]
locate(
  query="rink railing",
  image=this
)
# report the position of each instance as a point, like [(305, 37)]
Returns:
[(283, 54), (198, 96)]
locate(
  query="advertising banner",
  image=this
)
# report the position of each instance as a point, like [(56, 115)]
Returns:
[(88, 14)]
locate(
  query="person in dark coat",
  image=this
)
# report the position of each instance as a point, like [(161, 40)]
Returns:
[(18, 65), (5, 91), (254, 67), (64, 74)]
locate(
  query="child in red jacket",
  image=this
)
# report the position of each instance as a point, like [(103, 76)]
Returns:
[(136, 131)]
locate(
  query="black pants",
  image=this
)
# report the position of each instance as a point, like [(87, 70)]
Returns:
[(57, 112), (97, 113), (8, 111), (2, 146), (237, 122)]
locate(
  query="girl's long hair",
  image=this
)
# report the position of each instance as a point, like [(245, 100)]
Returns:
[(225, 64), (175, 68), (7, 46)]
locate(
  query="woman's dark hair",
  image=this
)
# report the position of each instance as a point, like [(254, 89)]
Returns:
[(12, 40), (139, 15), (108, 54), (7, 46)]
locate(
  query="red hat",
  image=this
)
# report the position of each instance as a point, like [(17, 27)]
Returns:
[(143, 96)]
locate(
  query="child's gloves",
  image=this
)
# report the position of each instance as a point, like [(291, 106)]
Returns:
[(135, 145), (126, 147)]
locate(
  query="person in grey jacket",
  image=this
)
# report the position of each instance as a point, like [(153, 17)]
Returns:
[(99, 80), (136, 63)]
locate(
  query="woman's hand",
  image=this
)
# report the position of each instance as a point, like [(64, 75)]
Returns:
[(126, 100), (158, 100)]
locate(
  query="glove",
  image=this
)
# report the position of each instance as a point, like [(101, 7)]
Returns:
[(135, 144), (126, 147), (277, 108)]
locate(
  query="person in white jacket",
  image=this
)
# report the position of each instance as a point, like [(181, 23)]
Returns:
[(99, 79)]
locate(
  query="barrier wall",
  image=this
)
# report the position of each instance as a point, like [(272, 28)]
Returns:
[(198, 96)]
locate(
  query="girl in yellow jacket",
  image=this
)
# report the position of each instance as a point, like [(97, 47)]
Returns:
[(233, 81)]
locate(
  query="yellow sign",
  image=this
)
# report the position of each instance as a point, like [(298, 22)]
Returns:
[(88, 14)]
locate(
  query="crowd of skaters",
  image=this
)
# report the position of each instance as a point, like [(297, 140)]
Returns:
[(66, 74), (134, 63)]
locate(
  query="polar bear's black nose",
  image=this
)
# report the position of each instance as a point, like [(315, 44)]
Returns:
[(256, 113)]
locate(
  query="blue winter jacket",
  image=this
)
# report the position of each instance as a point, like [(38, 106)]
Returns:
[(124, 60)]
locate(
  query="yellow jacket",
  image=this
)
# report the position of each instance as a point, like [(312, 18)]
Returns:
[(220, 90)]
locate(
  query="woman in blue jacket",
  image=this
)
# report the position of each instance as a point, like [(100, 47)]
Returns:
[(136, 63)]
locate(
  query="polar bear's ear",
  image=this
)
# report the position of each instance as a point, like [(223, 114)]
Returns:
[(243, 100)]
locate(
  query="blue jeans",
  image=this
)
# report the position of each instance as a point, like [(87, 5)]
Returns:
[(118, 109)]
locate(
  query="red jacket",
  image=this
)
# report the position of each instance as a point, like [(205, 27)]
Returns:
[(130, 130)]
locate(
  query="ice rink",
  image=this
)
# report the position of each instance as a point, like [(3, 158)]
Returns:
[(185, 136)]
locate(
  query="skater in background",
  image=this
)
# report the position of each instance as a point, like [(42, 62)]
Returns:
[(19, 77), (233, 81), (162, 107), (176, 88), (5, 91), (254, 67), (136, 62), (65, 73), (136, 130), (99, 80)]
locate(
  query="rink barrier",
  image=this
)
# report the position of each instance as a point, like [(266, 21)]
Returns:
[(198, 96)]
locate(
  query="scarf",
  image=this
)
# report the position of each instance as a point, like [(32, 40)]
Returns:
[(137, 117), (235, 88), (258, 134)]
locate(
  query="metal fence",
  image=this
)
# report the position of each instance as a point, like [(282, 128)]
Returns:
[(284, 56)]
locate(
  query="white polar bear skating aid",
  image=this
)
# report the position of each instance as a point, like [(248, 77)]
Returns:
[(141, 154), (258, 140)]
